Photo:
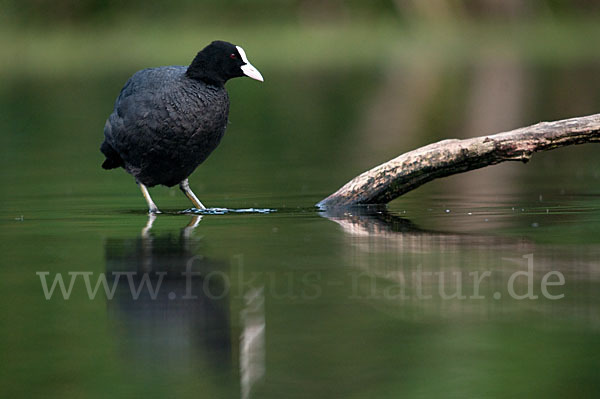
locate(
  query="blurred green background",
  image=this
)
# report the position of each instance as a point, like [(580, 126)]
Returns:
[(348, 85)]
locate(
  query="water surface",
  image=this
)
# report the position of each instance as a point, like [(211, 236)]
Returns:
[(419, 299)]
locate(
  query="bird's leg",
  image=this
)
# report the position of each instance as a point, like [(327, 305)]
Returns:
[(185, 187), (152, 208)]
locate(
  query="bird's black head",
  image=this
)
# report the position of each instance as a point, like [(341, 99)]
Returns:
[(220, 61)]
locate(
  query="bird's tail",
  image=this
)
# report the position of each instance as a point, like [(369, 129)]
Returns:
[(113, 160)]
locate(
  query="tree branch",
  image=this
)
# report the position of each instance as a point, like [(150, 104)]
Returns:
[(408, 171)]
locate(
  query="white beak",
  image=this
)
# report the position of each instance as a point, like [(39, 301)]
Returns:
[(248, 68), (252, 72)]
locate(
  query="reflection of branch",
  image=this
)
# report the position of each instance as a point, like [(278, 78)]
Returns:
[(414, 274), (369, 221), (388, 230), (388, 181)]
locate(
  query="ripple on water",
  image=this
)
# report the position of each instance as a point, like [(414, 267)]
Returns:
[(223, 211)]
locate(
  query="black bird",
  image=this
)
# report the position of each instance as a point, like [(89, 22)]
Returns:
[(168, 120)]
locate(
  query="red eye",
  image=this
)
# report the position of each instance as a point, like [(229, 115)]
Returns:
[(232, 56)]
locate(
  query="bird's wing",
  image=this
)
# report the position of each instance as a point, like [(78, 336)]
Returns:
[(142, 118)]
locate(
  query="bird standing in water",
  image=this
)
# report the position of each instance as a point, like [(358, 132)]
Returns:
[(168, 120)]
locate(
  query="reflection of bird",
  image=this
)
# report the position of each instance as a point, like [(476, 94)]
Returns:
[(168, 120), (170, 302)]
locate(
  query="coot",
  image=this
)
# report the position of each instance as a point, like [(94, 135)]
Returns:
[(168, 120)]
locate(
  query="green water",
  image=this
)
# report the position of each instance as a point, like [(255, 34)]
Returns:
[(410, 301)]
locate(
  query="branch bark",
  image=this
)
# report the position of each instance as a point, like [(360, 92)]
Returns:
[(408, 171)]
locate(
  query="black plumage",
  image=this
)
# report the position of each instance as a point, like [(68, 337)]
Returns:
[(167, 120), (164, 125)]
